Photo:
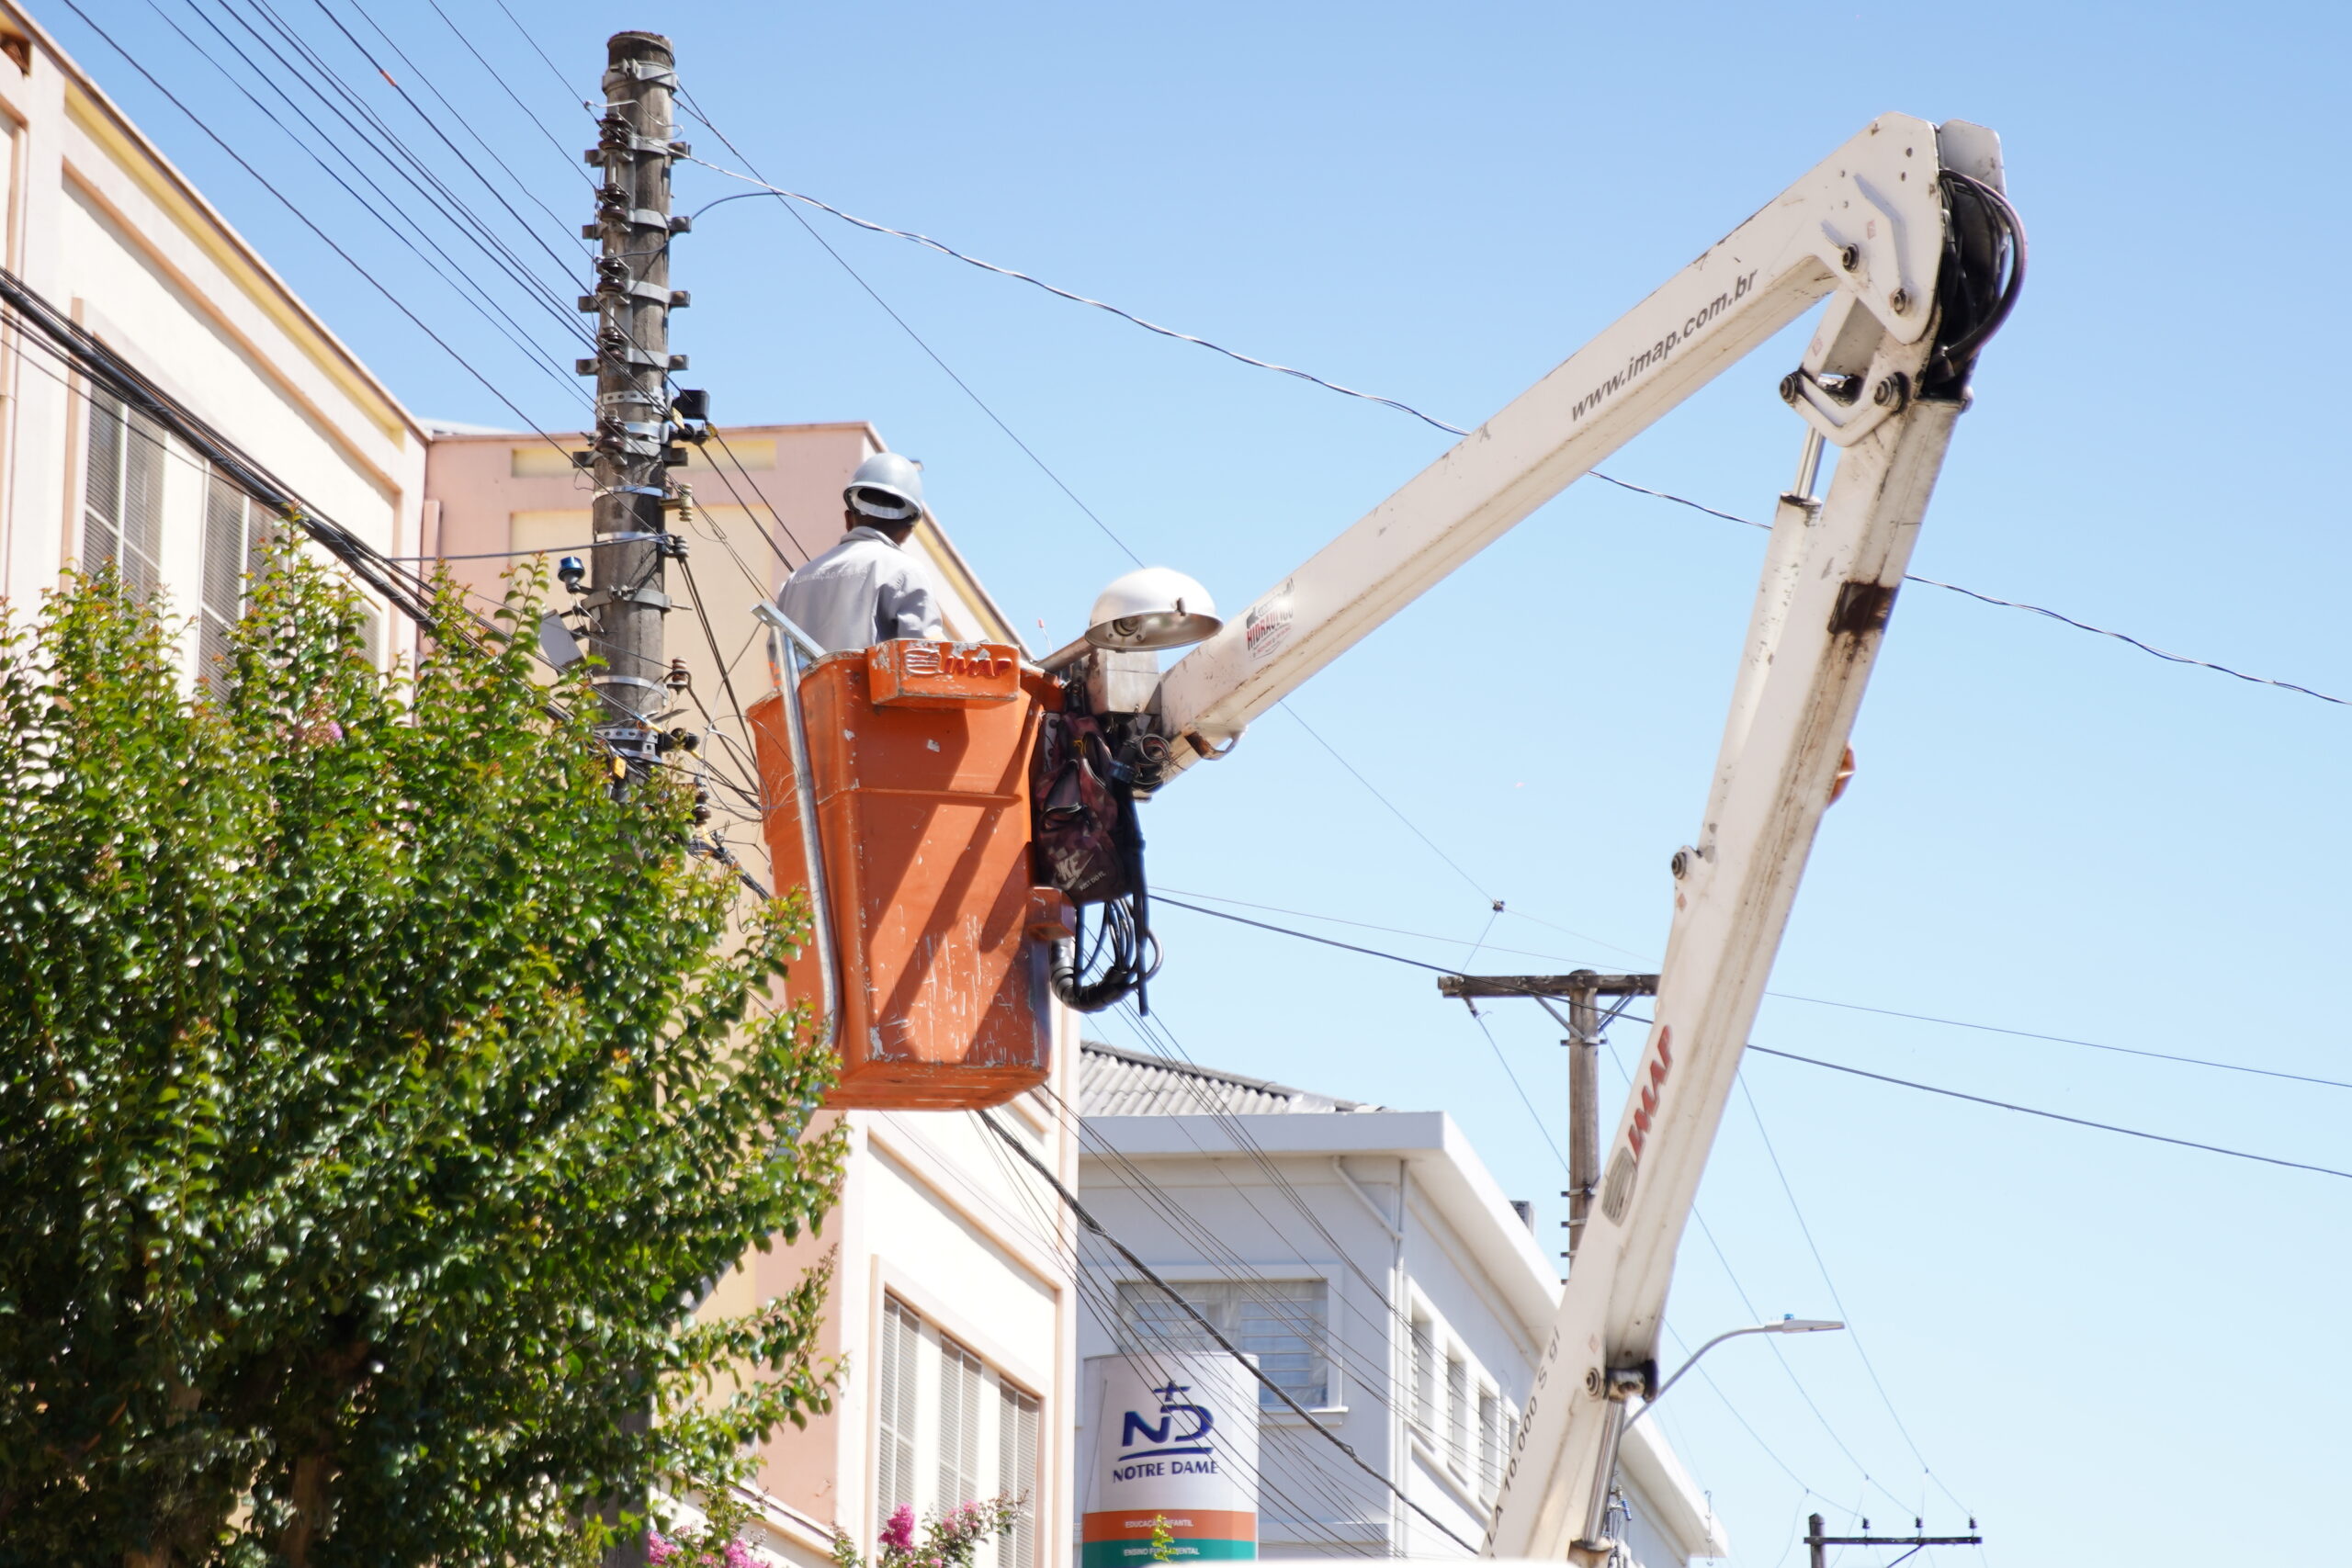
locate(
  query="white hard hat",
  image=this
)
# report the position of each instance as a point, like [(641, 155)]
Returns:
[(886, 485)]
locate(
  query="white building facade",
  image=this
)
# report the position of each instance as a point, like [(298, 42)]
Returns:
[(1368, 1260)]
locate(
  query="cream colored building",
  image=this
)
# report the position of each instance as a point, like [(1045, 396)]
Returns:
[(96, 221), (955, 1307)]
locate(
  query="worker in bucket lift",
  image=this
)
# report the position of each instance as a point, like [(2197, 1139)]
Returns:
[(869, 587)]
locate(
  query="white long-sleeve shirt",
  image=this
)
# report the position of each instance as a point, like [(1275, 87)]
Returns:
[(864, 591)]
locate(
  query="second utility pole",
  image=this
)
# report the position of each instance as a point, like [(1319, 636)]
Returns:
[(632, 457)]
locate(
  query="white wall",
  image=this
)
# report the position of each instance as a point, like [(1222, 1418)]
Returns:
[(1315, 1194)]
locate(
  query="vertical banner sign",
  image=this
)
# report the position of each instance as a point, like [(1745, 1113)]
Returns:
[(1170, 1437)]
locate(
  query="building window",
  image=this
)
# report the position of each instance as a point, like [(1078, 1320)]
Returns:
[(236, 532), (895, 1402), (961, 1380), (122, 493), (933, 1401), (1279, 1321), (1016, 1472), (1491, 1441), (1457, 1415), (1424, 1380)]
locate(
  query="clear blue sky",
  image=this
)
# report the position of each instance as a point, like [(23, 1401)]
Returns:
[(2110, 1349)]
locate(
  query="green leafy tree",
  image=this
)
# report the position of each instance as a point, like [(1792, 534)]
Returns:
[(378, 1091)]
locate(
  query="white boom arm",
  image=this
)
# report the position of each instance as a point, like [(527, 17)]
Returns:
[(1873, 225), (1876, 198)]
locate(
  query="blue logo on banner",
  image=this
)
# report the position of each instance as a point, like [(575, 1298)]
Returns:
[(1167, 1435)]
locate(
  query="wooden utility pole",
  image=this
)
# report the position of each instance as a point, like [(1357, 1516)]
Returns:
[(1581, 990), (1584, 1111), (631, 455)]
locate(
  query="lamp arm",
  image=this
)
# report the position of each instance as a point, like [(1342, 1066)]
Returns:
[(1651, 1403)]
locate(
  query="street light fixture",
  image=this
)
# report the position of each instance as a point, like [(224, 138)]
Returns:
[(1785, 1325), (1617, 1423)]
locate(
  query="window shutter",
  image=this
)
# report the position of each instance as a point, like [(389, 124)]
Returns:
[(223, 576), (142, 504), (1016, 1473), (102, 483), (960, 1388), (895, 1405)]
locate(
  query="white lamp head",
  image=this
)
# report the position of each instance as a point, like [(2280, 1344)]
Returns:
[(1151, 608), (1805, 1326)]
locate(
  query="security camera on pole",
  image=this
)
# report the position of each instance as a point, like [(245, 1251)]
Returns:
[(632, 455)]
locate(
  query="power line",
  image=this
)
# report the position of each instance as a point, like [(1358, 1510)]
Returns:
[(448, 269), (554, 70), (500, 77), (1102, 1304), (386, 141), (1154, 1031), (1777, 996), (1361, 925), (928, 242), (1409, 826), (1163, 897), (695, 109), (512, 554), (1072, 1201), (1707, 1232), (2147, 647), (1542, 1127), (458, 115), (1306, 936), (434, 125), (2068, 1040), (302, 216), (1065, 1241), (1854, 1335), (1699, 1219), (805, 553), (2054, 1115), (1233, 1268)]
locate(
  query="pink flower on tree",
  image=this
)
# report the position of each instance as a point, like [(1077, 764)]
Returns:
[(951, 1538)]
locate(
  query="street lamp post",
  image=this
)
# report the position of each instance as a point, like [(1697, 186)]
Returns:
[(1618, 1423), (1785, 1325)]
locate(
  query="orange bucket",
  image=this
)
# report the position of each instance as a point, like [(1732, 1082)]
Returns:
[(919, 755)]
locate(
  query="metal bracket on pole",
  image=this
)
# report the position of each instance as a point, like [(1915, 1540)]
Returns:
[(1585, 980), (1817, 1542)]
